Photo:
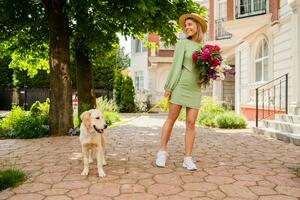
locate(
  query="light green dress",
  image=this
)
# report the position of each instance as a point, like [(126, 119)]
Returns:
[(183, 78)]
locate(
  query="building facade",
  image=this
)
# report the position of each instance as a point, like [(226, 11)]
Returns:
[(261, 38)]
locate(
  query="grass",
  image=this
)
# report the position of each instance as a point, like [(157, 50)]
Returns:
[(11, 178)]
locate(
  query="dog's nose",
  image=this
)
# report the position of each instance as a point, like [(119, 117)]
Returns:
[(105, 126)]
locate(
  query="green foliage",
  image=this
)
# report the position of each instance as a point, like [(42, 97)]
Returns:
[(209, 110), (123, 59), (230, 120), (41, 79), (105, 105), (213, 114), (41, 111), (12, 118), (25, 125), (118, 79), (111, 117), (127, 96), (6, 78), (11, 178), (28, 128)]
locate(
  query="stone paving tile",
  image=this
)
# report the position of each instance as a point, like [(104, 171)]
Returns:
[(232, 165)]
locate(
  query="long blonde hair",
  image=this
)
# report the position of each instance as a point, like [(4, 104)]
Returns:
[(199, 34)]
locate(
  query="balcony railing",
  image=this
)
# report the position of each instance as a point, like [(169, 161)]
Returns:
[(220, 32), (247, 8)]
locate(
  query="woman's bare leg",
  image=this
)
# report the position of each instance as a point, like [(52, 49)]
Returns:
[(174, 111), (191, 116)]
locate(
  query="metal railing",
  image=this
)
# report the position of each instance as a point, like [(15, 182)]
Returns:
[(220, 31), (249, 8), (273, 97)]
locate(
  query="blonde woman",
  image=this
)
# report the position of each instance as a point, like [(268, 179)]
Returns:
[(183, 89)]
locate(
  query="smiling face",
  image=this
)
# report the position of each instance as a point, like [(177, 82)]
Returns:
[(190, 28), (97, 120)]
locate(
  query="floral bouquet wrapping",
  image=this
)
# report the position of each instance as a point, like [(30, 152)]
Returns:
[(211, 65)]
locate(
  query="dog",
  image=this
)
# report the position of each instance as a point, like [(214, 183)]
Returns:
[(92, 139)]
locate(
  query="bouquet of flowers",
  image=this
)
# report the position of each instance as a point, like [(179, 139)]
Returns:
[(211, 64)]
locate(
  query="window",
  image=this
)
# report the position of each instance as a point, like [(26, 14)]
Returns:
[(139, 46), (221, 17), (139, 80), (262, 61), (245, 8)]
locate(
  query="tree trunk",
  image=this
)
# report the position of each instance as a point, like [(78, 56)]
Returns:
[(84, 77), (60, 83)]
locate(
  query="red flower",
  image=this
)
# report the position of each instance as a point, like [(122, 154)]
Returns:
[(215, 62), (195, 56), (217, 48)]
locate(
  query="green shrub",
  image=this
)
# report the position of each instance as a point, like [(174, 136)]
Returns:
[(230, 120), (105, 105), (207, 119), (22, 124), (29, 127), (213, 114), (111, 117), (41, 110), (127, 96), (14, 116), (11, 178)]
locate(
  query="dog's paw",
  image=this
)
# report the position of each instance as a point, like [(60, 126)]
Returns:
[(85, 172), (101, 174), (104, 163)]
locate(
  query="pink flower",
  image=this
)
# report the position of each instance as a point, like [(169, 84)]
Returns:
[(205, 54), (195, 56)]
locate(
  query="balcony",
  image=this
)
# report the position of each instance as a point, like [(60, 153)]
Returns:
[(220, 31), (247, 8)]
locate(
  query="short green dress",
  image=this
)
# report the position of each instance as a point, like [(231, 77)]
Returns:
[(183, 79)]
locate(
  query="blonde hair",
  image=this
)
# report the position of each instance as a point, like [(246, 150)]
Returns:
[(199, 34)]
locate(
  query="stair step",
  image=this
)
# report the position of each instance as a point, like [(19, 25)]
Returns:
[(295, 119), (282, 126), (283, 136)]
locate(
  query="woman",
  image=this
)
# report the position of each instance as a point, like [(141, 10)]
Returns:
[(182, 88)]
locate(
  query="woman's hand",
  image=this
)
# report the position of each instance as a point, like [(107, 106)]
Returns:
[(167, 94)]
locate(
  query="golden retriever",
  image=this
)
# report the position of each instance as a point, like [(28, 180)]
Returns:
[(92, 140)]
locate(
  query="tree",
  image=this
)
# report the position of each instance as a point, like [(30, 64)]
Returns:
[(27, 30), (127, 95), (96, 24), (27, 27)]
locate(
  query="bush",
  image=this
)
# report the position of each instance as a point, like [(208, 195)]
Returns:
[(111, 117), (25, 125), (41, 111), (213, 114), (11, 178), (230, 120), (29, 127), (207, 119), (127, 96), (105, 105)]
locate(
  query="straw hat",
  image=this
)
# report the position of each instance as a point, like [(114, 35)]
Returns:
[(194, 16)]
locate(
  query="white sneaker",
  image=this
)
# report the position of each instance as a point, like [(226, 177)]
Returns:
[(189, 164), (161, 158)]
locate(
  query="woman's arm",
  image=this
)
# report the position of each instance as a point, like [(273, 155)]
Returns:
[(175, 72)]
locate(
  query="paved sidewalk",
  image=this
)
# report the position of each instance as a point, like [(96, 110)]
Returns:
[(233, 165)]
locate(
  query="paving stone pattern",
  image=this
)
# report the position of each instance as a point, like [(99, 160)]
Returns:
[(232, 165)]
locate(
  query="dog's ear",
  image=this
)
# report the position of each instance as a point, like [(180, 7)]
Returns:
[(86, 119)]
